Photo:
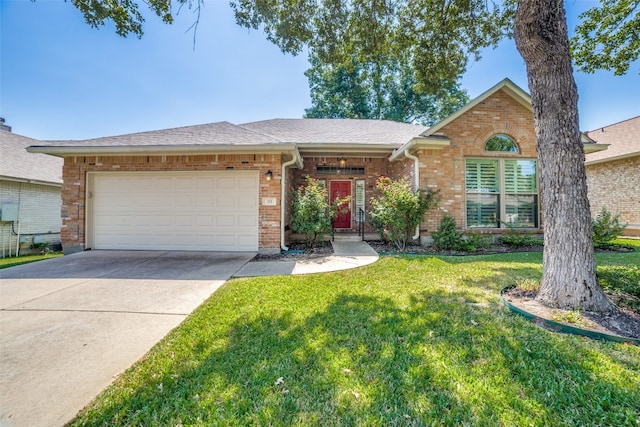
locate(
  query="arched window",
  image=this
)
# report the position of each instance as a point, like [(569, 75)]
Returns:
[(501, 143)]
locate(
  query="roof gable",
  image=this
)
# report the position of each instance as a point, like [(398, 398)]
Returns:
[(505, 85)]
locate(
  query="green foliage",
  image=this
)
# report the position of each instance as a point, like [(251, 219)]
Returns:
[(477, 241), (607, 37), (40, 245), (434, 43), (312, 215), (126, 15), (382, 90), (606, 228), (515, 238), (621, 279), (572, 317), (448, 238), (398, 210)]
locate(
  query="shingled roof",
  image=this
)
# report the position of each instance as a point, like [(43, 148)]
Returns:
[(623, 139), (16, 164), (220, 133), (277, 134), (337, 131)]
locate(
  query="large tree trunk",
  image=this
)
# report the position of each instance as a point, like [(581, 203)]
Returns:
[(568, 270)]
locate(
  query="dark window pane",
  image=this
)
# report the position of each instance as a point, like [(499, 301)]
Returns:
[(482, 210)]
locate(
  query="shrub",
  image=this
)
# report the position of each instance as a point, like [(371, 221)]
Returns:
[(606, 228), (312, 214), (517, 239), (447, 237), (398, 210), (477, 241)]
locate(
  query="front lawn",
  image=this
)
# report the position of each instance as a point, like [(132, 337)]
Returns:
[(405, 341), (26, 259)]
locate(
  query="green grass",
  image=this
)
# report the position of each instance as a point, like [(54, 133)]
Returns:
[(26, 259), (408, 340)]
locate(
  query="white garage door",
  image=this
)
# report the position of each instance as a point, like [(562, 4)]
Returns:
[(191, 211)]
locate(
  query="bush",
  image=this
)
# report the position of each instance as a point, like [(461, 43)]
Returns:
[(477, 241), (398, 210), (517, 239), (312, 215), (606, 228), (449, 239)]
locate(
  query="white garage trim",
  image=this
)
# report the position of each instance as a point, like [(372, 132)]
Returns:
[(186, 211)]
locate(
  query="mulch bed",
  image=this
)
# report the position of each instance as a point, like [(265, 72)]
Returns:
[(298, 251), (623, 322)]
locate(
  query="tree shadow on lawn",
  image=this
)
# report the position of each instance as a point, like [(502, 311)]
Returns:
[(439, 359)]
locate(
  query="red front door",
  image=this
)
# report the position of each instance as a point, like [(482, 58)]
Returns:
[(341, 189)]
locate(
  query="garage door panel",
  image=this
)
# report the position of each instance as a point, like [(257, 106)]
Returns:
[(247, 203), (225, 221), (185, 211), (204, 183), (245, 240), (247, 221), (184, 220), (224, 183), (205, 201), (207, 221)]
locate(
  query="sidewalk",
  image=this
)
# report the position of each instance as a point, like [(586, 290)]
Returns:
[(346, 255)]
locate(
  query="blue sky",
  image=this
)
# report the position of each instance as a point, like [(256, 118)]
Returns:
[(61, 79)]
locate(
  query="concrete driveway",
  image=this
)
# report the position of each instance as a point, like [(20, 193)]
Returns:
[(69, 326)]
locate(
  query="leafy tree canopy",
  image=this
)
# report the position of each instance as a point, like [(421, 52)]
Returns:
[(608, 37), (125, 14), (444, 32), (436, 37), (384, 90)]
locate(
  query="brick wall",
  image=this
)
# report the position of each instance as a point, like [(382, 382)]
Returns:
[(615, 185), (445, 168), (76, 168)]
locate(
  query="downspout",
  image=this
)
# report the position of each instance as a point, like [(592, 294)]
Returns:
[(416, 175), (283, 189)]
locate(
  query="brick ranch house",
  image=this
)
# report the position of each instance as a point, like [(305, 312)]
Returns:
[(227, 187), (613, 176)]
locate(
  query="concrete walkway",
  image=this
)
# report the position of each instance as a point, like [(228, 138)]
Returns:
[(346, 255)]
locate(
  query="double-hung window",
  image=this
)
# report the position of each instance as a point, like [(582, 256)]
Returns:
[(501, 192)]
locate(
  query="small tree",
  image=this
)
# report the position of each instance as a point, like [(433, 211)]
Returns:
[(447, 237), (398, 210), (606, 228), (312, 214)]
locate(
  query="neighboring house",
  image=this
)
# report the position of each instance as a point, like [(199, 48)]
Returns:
[(225, 187), (613, 176), (29, 196)]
